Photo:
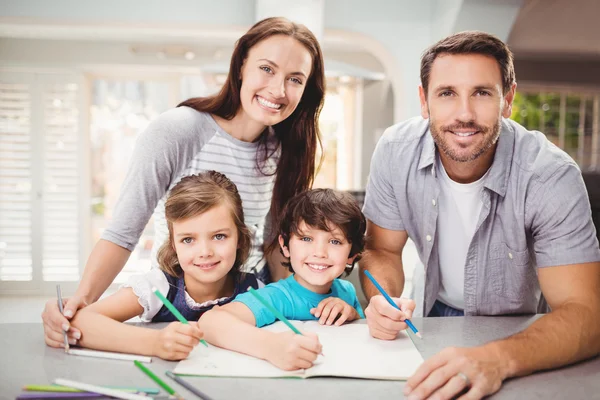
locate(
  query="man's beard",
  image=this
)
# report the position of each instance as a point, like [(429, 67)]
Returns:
[(490, 137)]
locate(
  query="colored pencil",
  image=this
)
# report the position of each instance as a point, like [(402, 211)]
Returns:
[(99, 389), (57, 395), (64, 389), (156, 379), (60, 307), (187, 385), (274, 311), (173, 310), (110, 355), (392, 303)]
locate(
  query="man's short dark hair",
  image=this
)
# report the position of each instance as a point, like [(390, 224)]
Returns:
[(323, 209), (471, 42)]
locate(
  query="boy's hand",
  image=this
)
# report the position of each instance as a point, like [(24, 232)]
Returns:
[(176, 341), (331, 308), (290, 351)]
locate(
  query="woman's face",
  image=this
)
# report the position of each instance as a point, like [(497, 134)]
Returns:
[(274, 76)]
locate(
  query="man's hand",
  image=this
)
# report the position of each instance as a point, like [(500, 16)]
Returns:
[(386, 321), (55, 322), (331, 308), (473, 372)]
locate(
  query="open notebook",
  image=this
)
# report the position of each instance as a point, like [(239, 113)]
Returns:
[(349, 350)]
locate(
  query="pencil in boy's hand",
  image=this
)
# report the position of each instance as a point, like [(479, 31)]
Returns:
[(275, 312), (392, 303), (60, 307), (156, 379), (173, 310)]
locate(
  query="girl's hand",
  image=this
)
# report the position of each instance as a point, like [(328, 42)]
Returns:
[(290, 351), (176, 341), (331, 308)]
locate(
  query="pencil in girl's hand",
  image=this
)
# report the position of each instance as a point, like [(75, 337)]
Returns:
[(156, 379), (392, 303), (175, 311)]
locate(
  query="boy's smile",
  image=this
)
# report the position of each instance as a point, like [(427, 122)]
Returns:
[(317, 256)]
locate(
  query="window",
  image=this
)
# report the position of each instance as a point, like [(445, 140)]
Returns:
[(568, 119), (40, 180)]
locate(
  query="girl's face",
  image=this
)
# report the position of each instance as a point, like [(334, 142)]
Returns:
[(274, 76), (318, 257), (206, 245)]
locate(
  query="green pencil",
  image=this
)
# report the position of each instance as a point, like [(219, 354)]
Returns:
[(175, 311), (65, 389), (156, 379), (275, 311)]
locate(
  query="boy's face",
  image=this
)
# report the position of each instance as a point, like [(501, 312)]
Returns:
[(318, 257)]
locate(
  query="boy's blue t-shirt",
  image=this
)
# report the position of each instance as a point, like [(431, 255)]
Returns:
[(294, 301)]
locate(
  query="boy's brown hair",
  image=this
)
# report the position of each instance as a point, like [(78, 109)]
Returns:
[(471, 42), (194, 195), (320, 207)]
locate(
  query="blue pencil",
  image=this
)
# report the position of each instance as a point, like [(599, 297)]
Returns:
[(392, 303)]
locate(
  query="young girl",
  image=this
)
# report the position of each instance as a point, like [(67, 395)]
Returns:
[(199, 268), (261, 130), (322, 235)]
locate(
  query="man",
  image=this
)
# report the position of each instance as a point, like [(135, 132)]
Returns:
[(500, 219)]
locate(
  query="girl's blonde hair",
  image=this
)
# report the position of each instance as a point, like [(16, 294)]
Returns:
[(194, 195)]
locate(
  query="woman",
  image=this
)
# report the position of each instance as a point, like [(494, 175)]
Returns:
[(261, 130)]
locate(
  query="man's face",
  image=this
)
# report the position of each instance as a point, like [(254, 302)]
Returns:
[(464, 104)]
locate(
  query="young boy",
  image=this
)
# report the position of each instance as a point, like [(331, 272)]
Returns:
[(322, 234)]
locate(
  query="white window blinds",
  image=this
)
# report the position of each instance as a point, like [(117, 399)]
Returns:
[(40, 178)]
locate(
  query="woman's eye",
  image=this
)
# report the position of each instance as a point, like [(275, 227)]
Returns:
[(296, 80), (266, 69)]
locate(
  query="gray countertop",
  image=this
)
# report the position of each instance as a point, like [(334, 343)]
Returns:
[(25, 359)]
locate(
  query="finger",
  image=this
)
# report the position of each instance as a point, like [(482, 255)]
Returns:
[(475, 393), (302, 364), (437, 379), (326, 311), (424, 370), (344, 316), (407, 306), (310, 342), (386, 325), (57, 338), (54, 318), (306, 355), (71, 306), (454, 386), (336, 310), (321, 305), (186, 339), (179, 355), (387, 310)]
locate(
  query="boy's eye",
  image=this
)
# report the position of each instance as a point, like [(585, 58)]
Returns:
[(187, 240), (305, 239), (335, 241), (220, 236)]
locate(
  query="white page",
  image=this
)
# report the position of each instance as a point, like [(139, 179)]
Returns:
[(349, 350)]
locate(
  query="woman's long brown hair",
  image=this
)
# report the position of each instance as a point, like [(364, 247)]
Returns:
[(299, 134)]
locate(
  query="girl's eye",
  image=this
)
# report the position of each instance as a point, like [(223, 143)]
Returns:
[(266, 69), (220, 236), (187, 240)]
